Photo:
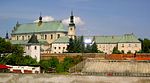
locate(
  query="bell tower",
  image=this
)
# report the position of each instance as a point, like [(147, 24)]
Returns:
[(71, 27)]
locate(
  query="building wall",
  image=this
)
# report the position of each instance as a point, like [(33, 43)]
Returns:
[(71, 31), (133, 47), (59, 48), (106, 48), (33, 51), (46, 36)]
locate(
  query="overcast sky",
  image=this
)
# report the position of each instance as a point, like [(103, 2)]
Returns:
[(92, 17)]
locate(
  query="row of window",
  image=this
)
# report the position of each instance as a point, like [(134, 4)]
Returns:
[(129, 45), (51, 37), (59, 47), (34, 47)]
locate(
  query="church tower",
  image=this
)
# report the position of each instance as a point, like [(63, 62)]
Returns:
[(71, 27), (33, 48)]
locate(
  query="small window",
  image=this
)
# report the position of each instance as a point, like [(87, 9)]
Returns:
[(99, 46), (123, 45), (51, 36), (54, 47), (22, 37), (35, 47), (28, 47), (58, 35), (59, 47), (17, 37), (129, 45), (28, 37), (45, 36), (135, 45), (63, 47)]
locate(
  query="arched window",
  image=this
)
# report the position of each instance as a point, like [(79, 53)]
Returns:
[(22, 37), (45, 36), (51, 36), (58, 35)]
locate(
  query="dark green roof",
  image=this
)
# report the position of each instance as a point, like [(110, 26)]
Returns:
[(52, 26), (33, 39)]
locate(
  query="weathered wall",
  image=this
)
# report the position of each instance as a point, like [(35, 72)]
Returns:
[(85, 55), (48, 78)]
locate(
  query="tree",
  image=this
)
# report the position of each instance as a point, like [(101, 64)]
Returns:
[(129, 52), (145, 45), (70, 46), (54, 62), (94, 48), (116, 51)]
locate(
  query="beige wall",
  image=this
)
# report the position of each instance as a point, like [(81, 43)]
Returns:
[(133, 47), (49, 40), (106, 48), (59, 48)]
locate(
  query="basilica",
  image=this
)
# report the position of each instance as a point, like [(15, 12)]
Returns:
[(52, 37)]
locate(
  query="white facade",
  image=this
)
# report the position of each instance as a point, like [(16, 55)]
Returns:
[(24, 69), (33, 51), (59, 48)]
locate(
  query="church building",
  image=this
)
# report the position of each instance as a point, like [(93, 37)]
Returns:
[(54, 38)]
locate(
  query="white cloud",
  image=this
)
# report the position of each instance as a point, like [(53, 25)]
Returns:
[(77, 21), (46, 18)]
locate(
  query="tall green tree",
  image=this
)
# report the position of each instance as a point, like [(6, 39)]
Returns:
[(94, 48), (116, 51)]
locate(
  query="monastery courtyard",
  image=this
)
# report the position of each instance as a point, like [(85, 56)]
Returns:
[(49, 78)]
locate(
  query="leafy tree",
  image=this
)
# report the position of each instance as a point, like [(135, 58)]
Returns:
[(129, 52), (145, 46), (45, 64), (70, 46), (60, 68), (116, 51), (54, 62)]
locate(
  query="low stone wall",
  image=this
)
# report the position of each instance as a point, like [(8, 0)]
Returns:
[(85, 55), (48, 78)]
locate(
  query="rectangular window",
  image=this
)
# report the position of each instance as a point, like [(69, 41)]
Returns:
[(54, 47), (135, 45), (59, 47), (35, 48), (129, 45), (123, 45), (58, 35), (63, 47), (22, 37), (17, 38)]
